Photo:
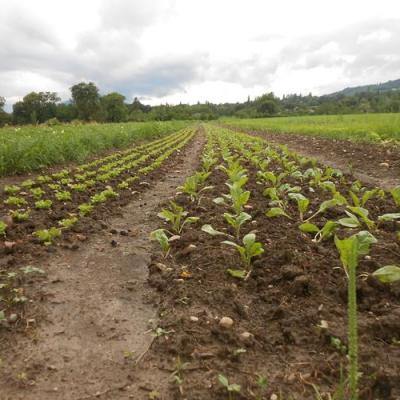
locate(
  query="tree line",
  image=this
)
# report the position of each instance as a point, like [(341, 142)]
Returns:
[(87, 104)]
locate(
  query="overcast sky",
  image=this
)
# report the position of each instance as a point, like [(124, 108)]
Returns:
[(196, 50)]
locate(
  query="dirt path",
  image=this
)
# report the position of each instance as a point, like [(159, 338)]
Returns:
[(98, 308), (374, 164)]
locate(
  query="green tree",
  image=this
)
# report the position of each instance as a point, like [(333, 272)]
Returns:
[(35, 108), (4, 117), (87, 100), (114, 107)]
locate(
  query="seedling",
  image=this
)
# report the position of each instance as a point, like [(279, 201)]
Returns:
[(43, 204), (47, 235), (37, 193), (229, 387), (277, 212), (3, 228), (302, 203), (160, 236), (11, 189), (68, 222), (236, 221), (63, 196), (192, 184), (262, 383), (396, 195), (248, 251), (85, 209), (28, 183), (20, 216), (177, 374), (176, 217), (350, 250), (15, 201)]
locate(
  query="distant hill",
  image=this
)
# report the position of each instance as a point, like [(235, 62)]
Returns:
[(377, 88)]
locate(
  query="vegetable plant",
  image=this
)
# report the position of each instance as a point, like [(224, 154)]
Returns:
[(15, 201), (236, 221), (162, 239), (68, 222), (37, 193), (43, 204), (176, 217), (247, 252), (11, 189), (229, 387), (3, 228), (47, 235), (350, 249), (63, 196), (19, 216), (85, 209)]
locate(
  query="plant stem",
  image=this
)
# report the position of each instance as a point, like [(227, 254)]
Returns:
[(353, 335)]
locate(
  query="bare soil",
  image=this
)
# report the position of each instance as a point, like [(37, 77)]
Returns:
[(376, 164), (94, 312)]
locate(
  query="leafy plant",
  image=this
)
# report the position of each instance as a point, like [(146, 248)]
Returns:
[(63, 196), (350, 249), (19, 216), (162, 239), (176, 217), (388, 274), (68, 222), (37, 193), (236, 221), (191, 186), (229, 387), (396, 195), (47, 235), (249, 250), (276, 212), (11, 189), (43, 204), (28, 183), (15, 201), (3, 228), (302, 203), (85, 209)]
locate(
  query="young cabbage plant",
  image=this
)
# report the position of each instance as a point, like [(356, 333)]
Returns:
[(366, 196), (350, 249), (363, 213), (396, 195), (160, 236), (43, 204), (337, 200), (3, 228), (229, 387), (247, 252), (191, 187), (302, 203), (236, 173), (388, 274), (236, 221), (47, 235), (20, 216), (176, 217), (238, 196), (320, 234), (37, 193)]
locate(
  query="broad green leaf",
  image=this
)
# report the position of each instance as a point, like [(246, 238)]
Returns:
[(210, 230), (350, 222), (396, 195), (236, 273), (219, 200), (249, 239), (307, 227), (389, 217), (276, 212), (223, 380), (388, 274)]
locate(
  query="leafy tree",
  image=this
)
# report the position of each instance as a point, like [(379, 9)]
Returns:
[(114, 108), (4, 117), (66, 112), (35, 108), (87, 100)]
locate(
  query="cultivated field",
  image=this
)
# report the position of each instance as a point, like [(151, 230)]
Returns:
[(205, 263), (360, 127)]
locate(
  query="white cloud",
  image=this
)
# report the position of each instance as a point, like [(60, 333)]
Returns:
[(186, 50)]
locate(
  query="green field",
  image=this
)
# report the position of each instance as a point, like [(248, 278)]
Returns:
[(359, 127), (28, 148)]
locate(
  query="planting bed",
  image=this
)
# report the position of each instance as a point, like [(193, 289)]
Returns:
[(287, 319)]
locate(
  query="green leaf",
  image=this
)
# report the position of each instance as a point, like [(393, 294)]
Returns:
[(236, 273), (388, 274), (307, 227), (396, 195), (211, 231), (389, 217), (219, 200), (223, 380), (2, 315), (350, 222), (276, 212)]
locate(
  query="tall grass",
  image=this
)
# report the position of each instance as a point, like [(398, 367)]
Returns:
[(359, 127), (29, 148)]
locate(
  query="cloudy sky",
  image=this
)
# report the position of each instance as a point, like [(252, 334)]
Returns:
[(189, 50)]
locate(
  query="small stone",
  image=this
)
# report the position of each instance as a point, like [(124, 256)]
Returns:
[(114, 243), (12, 318), (173, 238), (274, 396), (52, 368), (124, 233), (226, 322), (188, 249), (384, 164), (113, 231), (81, 238), (291, 271), (367, 257), (7, 219), (194, 319)]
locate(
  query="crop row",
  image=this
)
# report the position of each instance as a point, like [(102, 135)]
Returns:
[(58, 201), (315, 204)]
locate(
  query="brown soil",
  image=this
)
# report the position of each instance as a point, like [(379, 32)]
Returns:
[(95, 302), (378, 165), (294, 286)]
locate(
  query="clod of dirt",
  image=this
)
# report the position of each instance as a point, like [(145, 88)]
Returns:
[(226, 322), (194, 319), (12, 318), (114, 243), (7, 219), (291, 271)]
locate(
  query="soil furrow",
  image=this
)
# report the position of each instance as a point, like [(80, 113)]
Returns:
[(97, 307)]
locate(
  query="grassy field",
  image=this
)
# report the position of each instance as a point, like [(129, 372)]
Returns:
[(360, 127), (28, 148)]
